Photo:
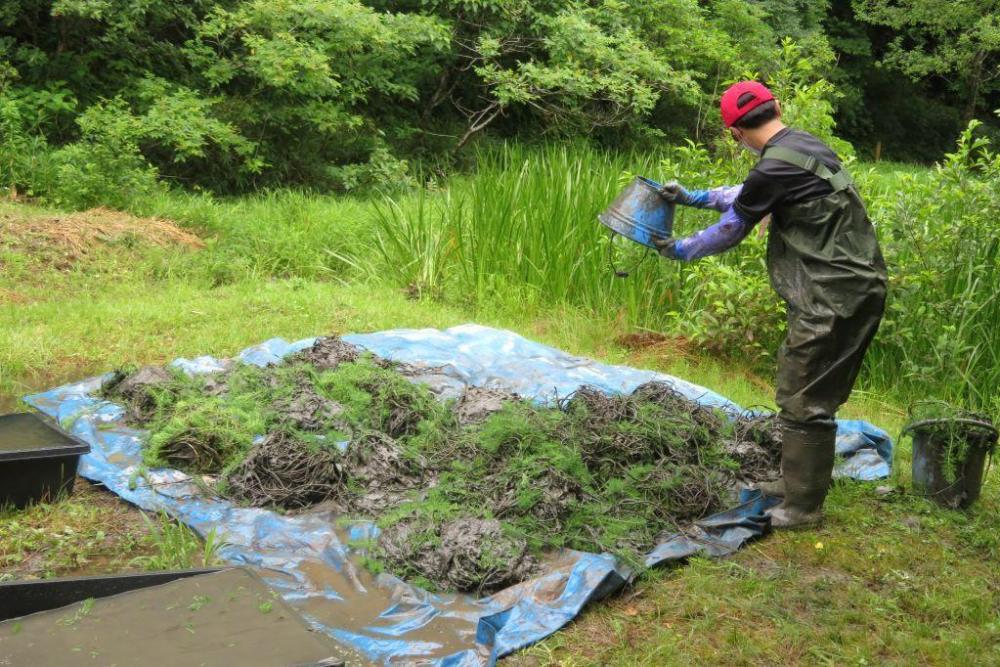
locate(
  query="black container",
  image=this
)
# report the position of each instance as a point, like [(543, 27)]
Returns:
[(158, 618), (20, 598), (930, 443), (37, 460)]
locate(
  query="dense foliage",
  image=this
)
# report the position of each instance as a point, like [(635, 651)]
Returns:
[(98, 98)]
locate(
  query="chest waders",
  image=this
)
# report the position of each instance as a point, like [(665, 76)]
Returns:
[(823, 259)]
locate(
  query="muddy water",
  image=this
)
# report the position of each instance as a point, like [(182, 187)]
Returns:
[(363, 604), (217, 620), (11, 402), (369, 607)]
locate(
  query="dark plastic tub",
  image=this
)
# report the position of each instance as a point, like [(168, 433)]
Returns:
[(37, 461), (20, 598), (170, 619), (930, 443)]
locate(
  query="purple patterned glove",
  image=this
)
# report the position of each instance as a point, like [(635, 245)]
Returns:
[(720, 198)]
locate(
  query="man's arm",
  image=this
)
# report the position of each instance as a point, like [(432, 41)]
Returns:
[(720, 198), (723, 235)]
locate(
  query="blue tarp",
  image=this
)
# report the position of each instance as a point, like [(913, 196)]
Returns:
[(385, 620)]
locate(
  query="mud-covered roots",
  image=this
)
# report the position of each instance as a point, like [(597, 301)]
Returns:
[(380, 473), (756, 446), (477, 403), (665, 396), (548, 496), (139, 390), (653, 423), (195, 449), (307, 410), (466, 555), (397, 407), (282, 471), (600, 408), (327, 353)]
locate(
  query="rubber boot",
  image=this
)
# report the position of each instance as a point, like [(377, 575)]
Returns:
[(807, 470), (775, 489)]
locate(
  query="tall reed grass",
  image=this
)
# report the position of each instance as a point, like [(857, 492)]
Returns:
[(524, 229)]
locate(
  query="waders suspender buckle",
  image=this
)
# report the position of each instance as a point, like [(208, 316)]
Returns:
[(840, 180)]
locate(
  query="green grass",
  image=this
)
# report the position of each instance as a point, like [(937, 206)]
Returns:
[(92, 532), (886, 580)]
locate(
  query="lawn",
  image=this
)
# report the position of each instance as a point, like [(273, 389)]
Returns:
[(889, 578)]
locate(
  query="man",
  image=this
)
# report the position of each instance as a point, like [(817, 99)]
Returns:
[(824, 261)]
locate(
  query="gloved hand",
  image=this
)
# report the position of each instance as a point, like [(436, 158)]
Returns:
[(675, 193), (720, 198), (666, 247)]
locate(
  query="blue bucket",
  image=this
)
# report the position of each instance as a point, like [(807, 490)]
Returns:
[(640, 213)]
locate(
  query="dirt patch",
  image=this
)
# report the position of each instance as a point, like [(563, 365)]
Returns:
[(468, 555), (66, 238), (283, 471), (12, 297), (640, 342), (478, 403)]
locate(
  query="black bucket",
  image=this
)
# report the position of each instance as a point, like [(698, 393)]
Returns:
[(932, 439)]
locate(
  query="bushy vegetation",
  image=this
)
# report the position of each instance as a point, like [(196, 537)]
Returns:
[(102, 101)]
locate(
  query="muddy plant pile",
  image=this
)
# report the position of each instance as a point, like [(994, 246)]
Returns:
[(470, 495)]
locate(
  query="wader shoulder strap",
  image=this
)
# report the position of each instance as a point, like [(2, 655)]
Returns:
[(840, 180)]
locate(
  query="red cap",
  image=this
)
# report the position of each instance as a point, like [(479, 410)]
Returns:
[(732, 111)]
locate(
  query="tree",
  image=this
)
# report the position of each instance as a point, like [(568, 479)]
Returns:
[(956, 40)]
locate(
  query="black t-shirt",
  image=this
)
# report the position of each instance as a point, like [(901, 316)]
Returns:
[(772, 183)]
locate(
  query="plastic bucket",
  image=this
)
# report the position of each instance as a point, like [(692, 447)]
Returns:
[(640, 213), (931, 438)]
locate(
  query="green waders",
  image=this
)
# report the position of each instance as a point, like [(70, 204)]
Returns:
[(824, 260)]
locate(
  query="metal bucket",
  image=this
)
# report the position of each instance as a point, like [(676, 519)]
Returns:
[(640, 213), (930, 444)]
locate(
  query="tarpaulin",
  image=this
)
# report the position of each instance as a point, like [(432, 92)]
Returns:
[(384, 620)]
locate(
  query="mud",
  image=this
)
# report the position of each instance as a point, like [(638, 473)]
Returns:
[(478, 403), (137, 390), (308, 411), (216, 620), (215, 384), (466, 555), (381, 475), (282, 471), (327, 353)]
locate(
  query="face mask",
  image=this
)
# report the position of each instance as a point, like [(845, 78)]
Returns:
[(739, 139)]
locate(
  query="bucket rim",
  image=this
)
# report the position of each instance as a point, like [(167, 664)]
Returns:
[(648, 182), (977, 423)]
